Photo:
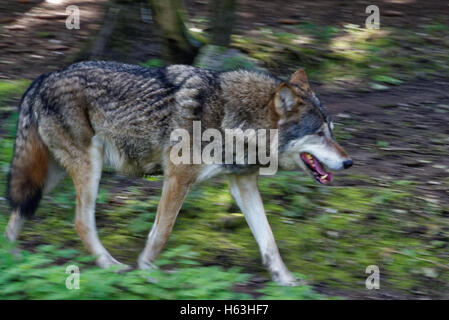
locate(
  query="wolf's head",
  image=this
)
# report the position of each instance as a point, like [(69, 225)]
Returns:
[(305, 131)]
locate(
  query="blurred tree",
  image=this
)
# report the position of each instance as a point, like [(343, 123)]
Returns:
[(223, 21), (179, 45), (99, 45)]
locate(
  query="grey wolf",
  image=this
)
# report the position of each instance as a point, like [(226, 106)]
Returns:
[(94, 113)]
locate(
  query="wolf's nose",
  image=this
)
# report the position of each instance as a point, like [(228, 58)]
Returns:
[(347, 164)]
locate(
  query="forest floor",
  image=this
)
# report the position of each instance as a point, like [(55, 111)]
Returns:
[(386, 90)]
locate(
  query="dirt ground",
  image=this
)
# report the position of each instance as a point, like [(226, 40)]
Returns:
[(397, 134), (34, 38), (412, 118)]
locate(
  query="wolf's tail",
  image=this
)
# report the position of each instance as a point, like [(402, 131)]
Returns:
[(29, 164)]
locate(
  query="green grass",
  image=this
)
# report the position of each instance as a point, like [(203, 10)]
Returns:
[(12, 89), (45, 35), (42, 275), (153, 63)]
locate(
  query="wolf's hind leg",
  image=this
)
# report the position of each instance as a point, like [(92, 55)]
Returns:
[(86, 174), (55, 174), (245, 192), (174, 190), (14, 226)]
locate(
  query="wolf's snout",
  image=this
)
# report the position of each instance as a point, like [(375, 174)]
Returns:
[(347, 164)]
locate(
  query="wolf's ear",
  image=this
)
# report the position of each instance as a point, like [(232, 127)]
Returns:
[(285, 99), (299, 78)]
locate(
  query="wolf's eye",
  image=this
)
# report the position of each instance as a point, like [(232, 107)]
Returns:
[(320, 133)]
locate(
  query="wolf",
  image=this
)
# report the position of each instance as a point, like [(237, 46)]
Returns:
[(90, 114)]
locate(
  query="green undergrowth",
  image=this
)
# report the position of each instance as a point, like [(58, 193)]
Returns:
[(42, 274), (12, 89), (330, 235)]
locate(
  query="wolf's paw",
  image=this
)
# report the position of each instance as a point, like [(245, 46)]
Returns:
[(146, 265), (288, 280), (16, 252), (106, 261)]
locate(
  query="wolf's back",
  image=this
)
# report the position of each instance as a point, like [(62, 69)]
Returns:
[(28, 168)]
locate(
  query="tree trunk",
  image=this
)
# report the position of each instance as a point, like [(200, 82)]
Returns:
[(179, 46), (224, 16), (107, 29)]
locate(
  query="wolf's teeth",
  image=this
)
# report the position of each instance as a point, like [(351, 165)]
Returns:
[(309, 156), (324, 177)]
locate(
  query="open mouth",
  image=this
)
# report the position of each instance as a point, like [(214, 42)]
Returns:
[(316, 168)]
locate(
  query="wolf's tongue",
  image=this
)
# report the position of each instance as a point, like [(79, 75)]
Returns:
[(318, 167)]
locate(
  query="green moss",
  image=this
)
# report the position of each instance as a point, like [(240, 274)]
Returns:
[(12, 89), (153, 63), (235, 63), (44, 34)]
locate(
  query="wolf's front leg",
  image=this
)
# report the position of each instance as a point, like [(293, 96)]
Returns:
[(245, 192), (86, 173), (175, 188)]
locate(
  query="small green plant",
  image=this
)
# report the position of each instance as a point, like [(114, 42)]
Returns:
[(153, 63), (273, 291), (235, 63), (382, 144), (387, 79), (12, 89), (44, 34)]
